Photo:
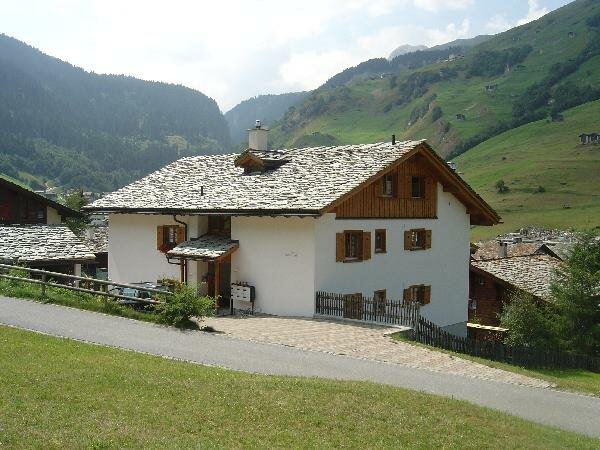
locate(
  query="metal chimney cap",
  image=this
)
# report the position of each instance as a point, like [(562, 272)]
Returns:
[(257, 123)]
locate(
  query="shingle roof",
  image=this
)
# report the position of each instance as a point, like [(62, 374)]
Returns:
[(208, 246), (489, 249), (532, 273), (38, 243), (97, 238), (310, 180)]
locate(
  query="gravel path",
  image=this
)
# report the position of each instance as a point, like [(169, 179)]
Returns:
[(360, 341), (569, 411)]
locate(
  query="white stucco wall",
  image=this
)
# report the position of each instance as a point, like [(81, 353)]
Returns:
[(277, 256), (52, 216), (132, 253), (445, 266)]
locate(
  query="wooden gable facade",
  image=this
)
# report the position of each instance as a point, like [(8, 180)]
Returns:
[(487, 296), (372, 201), (413, 195)]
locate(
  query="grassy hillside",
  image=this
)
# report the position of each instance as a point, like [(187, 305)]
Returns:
[(403, 103), (541, 154)]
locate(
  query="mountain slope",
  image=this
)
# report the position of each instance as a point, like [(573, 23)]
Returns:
[(527, 69), (62, 125), (267, 108), (553, 181)]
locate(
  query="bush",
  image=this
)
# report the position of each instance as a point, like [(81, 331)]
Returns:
[(501, 187), (179, 308), (436, 113), (540, 189), (530, 323)]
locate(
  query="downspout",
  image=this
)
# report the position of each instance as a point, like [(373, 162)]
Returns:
[(184, 266)]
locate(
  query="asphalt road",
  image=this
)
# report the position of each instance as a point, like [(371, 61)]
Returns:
[(568, 411)]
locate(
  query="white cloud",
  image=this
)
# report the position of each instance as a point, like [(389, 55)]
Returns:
[(534, 12), (309, 69), (498, 23), (439, 5)]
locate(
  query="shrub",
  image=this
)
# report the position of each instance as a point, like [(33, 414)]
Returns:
[(540, 189), (182, 305), (436, 113), (501, 187), (530, 323)]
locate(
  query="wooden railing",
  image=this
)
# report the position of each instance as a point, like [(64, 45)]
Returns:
[(427, 332), (93, 286), (357, 307)]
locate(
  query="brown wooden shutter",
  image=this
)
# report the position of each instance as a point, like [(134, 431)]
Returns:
[(406, 295), (366, 245), (339, 247), (160, 237), (407, 240), (395, 184), (179, 235), (426, 294), (427, 238)]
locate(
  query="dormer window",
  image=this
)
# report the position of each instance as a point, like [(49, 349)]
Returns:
[(256, 162), (387, 185)]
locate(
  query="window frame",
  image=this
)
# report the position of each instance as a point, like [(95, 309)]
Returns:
[(381, 233), (348, 235), (387, 180), (420, 183), (414, 243)]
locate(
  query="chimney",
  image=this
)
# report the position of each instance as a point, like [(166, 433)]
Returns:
[(393, 139), (257, 137), (502, 249)]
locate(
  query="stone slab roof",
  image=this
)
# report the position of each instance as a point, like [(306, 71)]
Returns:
[(42, 243), (489, 249), (208, 246), (96, 238), (310, 180), (531, 273)]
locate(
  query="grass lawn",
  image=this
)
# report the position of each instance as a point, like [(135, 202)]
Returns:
[(57, 393), (577, 380)]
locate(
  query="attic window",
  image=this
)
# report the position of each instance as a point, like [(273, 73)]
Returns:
[(417, 187)]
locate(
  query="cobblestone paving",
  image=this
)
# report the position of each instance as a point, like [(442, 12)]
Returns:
[(360, 341)]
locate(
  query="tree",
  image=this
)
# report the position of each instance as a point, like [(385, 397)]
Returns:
[(576, 292), (501, 187), (530, 322), (75, 200)]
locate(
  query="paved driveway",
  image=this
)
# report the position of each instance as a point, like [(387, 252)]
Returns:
[(359, 341), (569, 411)]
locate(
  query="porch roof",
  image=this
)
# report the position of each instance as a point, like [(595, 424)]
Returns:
[(206, 247)]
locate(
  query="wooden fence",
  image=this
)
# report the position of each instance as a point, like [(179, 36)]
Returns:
[(429, 333), (105, 288), (355, 306)]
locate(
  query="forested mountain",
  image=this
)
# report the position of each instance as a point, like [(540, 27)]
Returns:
[(524, 74), (267, 108), (61, 125), (404, 49)]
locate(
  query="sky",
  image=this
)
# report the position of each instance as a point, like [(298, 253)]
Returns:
[(232, 50)]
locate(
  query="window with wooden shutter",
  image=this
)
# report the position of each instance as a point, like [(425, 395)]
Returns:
[(379, 302), (352, 245), (168, 236), (418, 293), (417, 239), (366, 245)]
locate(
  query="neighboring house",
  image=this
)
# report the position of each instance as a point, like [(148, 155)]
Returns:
[(461, 117), (493, 281), (390, 218), (32, 232), (589, 138)]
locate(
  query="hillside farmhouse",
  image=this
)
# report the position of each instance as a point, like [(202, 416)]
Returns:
[(277, 226), (32, 232), (499, 269), (589, 138)]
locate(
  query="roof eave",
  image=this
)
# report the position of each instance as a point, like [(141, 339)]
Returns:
[(207, 212)]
